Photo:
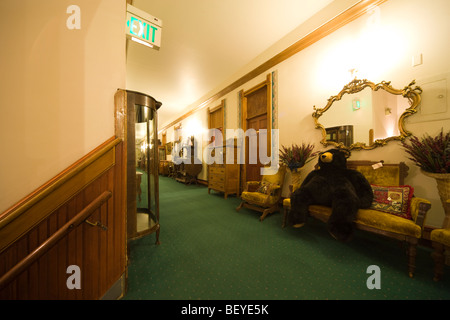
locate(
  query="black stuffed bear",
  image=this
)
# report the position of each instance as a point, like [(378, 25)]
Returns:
[(333, 185)]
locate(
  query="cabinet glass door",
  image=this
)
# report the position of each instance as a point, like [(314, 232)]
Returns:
[(146, 170)]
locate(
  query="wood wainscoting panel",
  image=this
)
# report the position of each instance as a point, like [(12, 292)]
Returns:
[(42, 208), (99, 253)]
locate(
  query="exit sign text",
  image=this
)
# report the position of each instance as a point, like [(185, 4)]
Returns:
[(142, 27)]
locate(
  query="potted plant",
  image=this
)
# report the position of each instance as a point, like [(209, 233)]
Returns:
[(432, 156), (295, 157)]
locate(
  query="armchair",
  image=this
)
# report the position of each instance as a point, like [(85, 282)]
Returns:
[(441, 243), (264, 195)]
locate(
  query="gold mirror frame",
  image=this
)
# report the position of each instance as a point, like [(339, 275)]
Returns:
[(355, 86)]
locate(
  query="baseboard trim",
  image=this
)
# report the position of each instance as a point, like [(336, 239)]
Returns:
[(117, 290)]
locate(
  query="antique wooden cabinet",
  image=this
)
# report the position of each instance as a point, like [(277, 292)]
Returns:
[(136, 123), (224, 177)]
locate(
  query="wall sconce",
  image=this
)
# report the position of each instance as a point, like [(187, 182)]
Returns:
[(353, 73), (144, 147), (356, 104), (387, 111)]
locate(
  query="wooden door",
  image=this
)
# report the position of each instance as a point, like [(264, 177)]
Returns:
[(253, 172), (255, 114)]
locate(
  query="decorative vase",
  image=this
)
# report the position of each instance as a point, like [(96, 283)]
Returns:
[(296, 177), (443, 186)]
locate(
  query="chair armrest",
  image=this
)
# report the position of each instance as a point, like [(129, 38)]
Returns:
[(293, 187), (274, 191), (274, 188), (419, 210)]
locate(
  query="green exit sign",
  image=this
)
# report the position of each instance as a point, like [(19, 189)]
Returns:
[(143, 28)]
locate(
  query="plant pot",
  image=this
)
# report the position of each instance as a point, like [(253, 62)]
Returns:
[(443, 186), (296, 177)]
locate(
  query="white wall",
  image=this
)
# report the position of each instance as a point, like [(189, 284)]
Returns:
[(57, 87), (380, 45)]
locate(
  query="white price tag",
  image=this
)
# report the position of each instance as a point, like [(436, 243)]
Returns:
[(377, 165)]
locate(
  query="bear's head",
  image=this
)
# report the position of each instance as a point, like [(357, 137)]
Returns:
[(334, 158)]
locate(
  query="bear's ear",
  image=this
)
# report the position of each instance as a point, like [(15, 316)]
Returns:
[(346, 153)]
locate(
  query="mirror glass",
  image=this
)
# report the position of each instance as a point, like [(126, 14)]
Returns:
[(365, 115)]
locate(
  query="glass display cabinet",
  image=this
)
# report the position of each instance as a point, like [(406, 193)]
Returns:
[(136, 124)]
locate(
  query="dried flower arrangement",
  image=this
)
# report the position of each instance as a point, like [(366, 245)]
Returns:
[(431, 154), (296, 156)]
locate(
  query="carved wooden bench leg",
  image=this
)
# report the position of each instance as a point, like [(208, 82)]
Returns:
[(412, 251), (264, 214), (438, 257), (240, 206), (267, 211)]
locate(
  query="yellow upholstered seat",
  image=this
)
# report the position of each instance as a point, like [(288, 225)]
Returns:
[(378, 220), (388, 222), (264, 195), (260, 198), (441, 236)]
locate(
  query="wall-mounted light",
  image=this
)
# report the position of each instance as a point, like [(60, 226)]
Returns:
[(144, 147), (387, 111), (356, 104), (353, 73)]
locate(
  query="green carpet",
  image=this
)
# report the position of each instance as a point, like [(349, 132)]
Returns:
[(210, 251)]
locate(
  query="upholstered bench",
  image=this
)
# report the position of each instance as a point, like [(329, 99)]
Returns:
[(395, 213)]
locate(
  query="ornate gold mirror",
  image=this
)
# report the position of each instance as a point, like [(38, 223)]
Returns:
[(365, 115)]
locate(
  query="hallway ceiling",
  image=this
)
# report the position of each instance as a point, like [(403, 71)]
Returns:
[(204, 43)]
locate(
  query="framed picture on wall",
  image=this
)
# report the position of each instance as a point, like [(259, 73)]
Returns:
[(169, 146)]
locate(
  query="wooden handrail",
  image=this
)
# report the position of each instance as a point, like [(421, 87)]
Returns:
[(54, 239), (49, 187)]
